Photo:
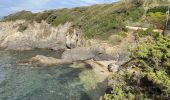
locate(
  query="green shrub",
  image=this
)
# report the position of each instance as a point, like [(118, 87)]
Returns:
[(42, 16), (51, 18), (136, 14), (160, 79), (60, 19), (23, 15), (148, 32), (147, 74), (157, 19), (162, 9)]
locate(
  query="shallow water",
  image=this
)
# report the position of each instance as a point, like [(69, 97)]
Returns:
[(27, 82)]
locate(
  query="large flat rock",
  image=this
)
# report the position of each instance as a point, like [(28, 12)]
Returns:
[(78, 54)]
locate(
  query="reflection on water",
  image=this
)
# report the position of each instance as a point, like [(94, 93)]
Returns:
[(63, 82)]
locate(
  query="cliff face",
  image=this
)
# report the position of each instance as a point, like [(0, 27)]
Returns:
[(38, 35)]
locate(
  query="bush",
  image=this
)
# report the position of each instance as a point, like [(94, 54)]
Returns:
[(51, 18), (148, 32), (157, 19), (147, 74), (136, 14), (161, 9), (42, 16), (60, 19), (23, 15)]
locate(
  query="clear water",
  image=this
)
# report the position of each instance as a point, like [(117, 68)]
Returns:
[(27, 82)]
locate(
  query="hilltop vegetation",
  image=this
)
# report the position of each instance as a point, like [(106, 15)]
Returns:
[(99, 21)]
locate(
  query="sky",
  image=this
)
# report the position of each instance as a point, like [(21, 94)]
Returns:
[(11, 6)]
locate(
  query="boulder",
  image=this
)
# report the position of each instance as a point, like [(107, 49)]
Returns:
[(112, 67)]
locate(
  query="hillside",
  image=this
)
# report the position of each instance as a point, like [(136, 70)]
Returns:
[(95, 21)]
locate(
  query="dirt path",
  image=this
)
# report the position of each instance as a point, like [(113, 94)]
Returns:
[(138, 28)]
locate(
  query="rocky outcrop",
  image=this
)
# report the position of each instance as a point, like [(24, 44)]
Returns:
[(118, 52), (38, 35)]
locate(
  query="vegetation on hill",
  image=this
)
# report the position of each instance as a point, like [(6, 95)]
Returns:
[(97, 21), (147, 74), (157, 19), (100, 21)]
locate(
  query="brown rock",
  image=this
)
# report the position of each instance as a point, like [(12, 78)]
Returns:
[(44, 61)]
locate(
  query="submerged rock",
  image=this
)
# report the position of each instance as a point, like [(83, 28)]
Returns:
[(44, 61)]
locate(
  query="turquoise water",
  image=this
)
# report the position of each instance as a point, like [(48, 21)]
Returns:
[(27, 82)]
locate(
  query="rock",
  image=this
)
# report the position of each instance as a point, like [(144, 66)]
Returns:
[(113, 67), (23, 62), (44, 61), (78, 54), (73, 39), (102, 57), (38, 35), (98, 69), (123, 57)]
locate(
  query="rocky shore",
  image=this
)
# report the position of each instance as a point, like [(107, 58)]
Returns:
[(64, 37), (102, 57)]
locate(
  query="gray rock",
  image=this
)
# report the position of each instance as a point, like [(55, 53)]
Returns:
[(123, 57), (38, 35), (77, 54), (102, 57)]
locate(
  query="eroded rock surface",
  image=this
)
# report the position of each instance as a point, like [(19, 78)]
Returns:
[(38, 35)]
